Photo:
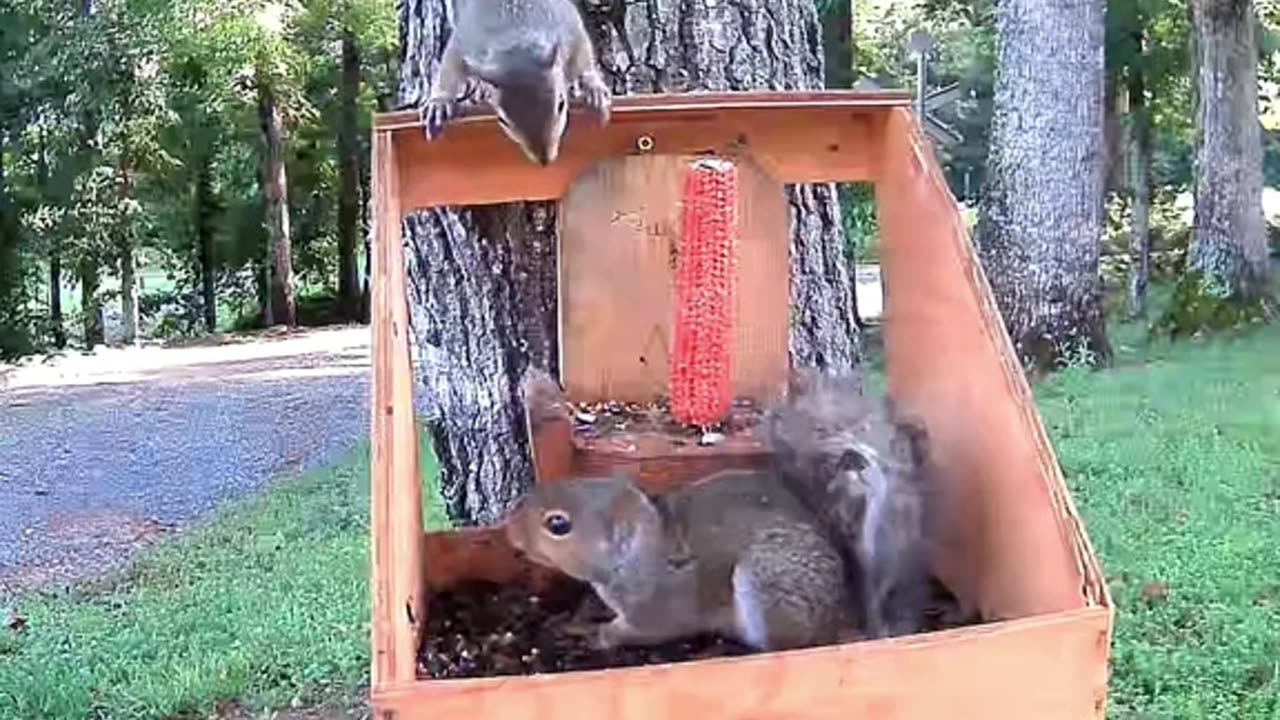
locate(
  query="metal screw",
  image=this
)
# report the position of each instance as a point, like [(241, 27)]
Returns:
[(644, 143)]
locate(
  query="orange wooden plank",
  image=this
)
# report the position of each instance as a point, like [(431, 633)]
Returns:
[(1048, 668), (396, 529), (950, 361), (473, 163)]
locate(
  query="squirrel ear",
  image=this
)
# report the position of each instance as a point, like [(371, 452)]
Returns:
[(627, 516), (554, 53)]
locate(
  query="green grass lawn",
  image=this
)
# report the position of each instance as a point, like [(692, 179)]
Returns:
[(1174, 456)]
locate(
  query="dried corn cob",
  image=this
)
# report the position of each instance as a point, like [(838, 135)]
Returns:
[(701, 369)]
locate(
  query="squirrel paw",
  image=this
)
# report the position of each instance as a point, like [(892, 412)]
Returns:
[(579, 628), (597, 97), (609, 635), (436, 114)]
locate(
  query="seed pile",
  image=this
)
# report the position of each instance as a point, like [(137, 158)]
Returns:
[(480, 629), (602, 420)]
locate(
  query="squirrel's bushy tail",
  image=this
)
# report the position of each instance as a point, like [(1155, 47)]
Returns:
[(861, 468)]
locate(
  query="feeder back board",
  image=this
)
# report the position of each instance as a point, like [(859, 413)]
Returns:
[(1013, 548)]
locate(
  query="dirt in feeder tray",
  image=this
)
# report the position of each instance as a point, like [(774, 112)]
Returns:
[(606, 419), (481, 629)]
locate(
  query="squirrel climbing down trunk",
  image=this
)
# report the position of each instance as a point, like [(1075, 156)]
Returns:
[(531, 52)]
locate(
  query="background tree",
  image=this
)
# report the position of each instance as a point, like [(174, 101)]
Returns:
[(1041, 216), (1229, 265), (1147, 59), (482, 281)]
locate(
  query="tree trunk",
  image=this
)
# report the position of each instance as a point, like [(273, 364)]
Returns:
[(263, 282), (276, 196), (13, 331), (204, 213), (1041, 217), (1114, 132), (349, 169), (126, 250), (55, 296), (483, 293), (1140, 186), (365, 230), (55, 253), (90, 303), (1229, 248)]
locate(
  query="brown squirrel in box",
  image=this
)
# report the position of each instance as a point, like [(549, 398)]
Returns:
[(769, 558)]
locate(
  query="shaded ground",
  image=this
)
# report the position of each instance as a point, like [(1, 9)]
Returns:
[(102, 454)]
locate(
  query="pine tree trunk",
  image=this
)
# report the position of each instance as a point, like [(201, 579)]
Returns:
[(1114, 132), (1041, 218), (276, 196), (365, 230), (349, 171), (483, 293), (55, 296), (13, 335), (1140, 186), (1229, 246), (55, 254), (90, 303), (125, 247), (204, 216)]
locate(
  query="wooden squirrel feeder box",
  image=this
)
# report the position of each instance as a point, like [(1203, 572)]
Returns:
[(1016, 550)]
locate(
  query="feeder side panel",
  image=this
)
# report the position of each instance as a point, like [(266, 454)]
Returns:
[(1005, 530), (398, 613)]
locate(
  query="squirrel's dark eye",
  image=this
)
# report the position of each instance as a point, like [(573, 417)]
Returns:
[(557, 524), (560, 105)]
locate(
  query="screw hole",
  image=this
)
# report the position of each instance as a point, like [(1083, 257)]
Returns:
[(644, 143)]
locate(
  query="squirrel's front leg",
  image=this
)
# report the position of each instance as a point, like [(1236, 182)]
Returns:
[(597, 94), (583, 68), (618, 632), (442, 101)]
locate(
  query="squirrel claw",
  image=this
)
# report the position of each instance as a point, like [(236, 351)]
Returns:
[(597, 97), (604, 637), (435, 115), (581, 629)]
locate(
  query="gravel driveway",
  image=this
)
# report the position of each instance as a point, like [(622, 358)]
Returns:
[(100, 459)]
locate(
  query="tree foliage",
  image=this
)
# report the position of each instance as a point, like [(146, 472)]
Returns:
[(130, 138)]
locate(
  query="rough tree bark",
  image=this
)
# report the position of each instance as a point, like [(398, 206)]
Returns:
[(12, 280), (204, 218), (1229, 248), (1140, 187), (349, 186), (90, 303), (55, 253), (1041, 217), (276, 195), (55, 296), (1114, 132), (126, 245), (482, 281)]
